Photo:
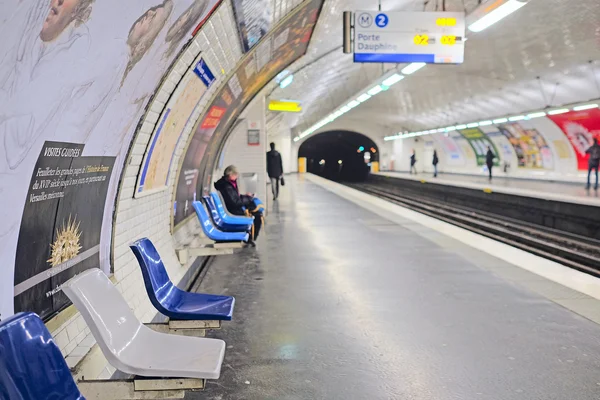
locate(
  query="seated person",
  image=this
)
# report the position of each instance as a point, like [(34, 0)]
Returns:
[(237, 204)]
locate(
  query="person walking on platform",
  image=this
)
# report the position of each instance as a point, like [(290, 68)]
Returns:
[(489, 160), (238, 204), (275, 170), (413, 161), (435, 163), (593, 162)]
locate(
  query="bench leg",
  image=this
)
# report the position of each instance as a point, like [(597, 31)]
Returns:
[(132, 389)]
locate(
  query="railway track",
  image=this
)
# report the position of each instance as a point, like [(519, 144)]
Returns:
[(577, 252)]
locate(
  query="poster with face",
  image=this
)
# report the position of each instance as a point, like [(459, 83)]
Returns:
[(76, 73), (580, 127), (284, 45)]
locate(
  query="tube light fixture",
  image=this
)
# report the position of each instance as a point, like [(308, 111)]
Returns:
[(459, 127), (450, 129), (499, 121), (473, 125), (392, 80), (441, 130), (363, 97), (558, 111), (494, 13), (536, 115), (377, 89), (412, 68), (517, 118), (485, 123), (353, 104), (585, 107), (286, 82)]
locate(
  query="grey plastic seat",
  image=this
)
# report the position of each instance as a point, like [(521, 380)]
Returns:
[(129, 345)]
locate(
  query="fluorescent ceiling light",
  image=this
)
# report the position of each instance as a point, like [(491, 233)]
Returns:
[(496, 15), (432, 131), (393, 80), (585, 107), (412, 68), (296, 139), (499, 121), (450, 129), (345, 109), (353, 104), (536, 115), (473, 125), (459, 127), (363, 97), (485, 123), (286, 82), (558, 111), (441, 130), (375, 90), (517, 118)]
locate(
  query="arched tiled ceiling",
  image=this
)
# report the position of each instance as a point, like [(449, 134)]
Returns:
[(550, 39)]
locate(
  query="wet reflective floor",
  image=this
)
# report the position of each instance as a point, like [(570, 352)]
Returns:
[(339, 303)]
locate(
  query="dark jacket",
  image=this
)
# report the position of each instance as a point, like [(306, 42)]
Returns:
[(234, 202), (489, 158), (413, 159), (274, 164), (594, 152), (436, 160)]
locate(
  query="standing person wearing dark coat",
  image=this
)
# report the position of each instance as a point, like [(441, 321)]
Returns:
[(236, 203), (593, 162), (435, 163), (274, 169), (413, 161), (489, 160)]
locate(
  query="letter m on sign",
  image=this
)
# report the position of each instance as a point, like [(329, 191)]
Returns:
[(365, 20)]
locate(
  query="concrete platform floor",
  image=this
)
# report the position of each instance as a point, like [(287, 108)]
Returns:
[(339, 303)]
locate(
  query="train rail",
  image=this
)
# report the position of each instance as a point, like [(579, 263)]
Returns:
[(575, 251)]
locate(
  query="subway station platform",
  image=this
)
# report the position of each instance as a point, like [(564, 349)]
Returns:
[(550, 190), (348, 298)]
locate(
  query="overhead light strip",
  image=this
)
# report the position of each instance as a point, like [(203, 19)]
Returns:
[(503, 120)]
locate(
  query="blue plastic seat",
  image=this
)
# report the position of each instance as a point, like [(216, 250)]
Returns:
[(171, 301), (241, 224), (225, 216), (31, 365), (212, 232)]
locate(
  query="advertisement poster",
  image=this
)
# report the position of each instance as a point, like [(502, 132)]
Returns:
[(284, 45), (451, 150), (254, 19), (60, 228), (479, 142), (580, 127), (77, 71), (174, 121), (529, 145)]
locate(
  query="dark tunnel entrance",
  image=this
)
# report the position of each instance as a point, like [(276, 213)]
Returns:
[(340, 155)]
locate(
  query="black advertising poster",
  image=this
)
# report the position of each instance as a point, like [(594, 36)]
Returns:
[(254, 19), (61, 224), (284, 45)]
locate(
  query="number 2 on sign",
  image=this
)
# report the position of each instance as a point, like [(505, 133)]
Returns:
[(449, 40), (421, 40)]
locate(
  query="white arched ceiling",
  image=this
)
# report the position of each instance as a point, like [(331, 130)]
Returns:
[(550, 39)]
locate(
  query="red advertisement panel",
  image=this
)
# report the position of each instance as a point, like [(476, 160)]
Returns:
[(581, 127)]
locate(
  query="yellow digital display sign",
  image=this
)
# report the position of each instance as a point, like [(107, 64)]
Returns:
[(285, 106)]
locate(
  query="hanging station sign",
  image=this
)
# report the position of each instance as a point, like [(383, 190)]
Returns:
[(407, 37)]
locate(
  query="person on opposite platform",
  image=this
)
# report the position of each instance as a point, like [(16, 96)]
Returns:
[(435, 163), (275, 170), (413, 161), (240, 204), (593, 162), (489, 160)]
